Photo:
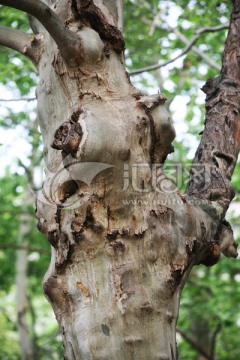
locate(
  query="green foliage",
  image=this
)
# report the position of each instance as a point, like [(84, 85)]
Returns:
[(211, 301), (12, 188), (147, 45), (19, 71), (9, 339)]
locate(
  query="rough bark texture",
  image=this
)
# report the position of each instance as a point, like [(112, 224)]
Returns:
[(123, 240)]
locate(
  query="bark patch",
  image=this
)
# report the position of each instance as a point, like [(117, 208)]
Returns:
[(212, 256), (112, 235), (176, 277), (68, 136), (105, 330), (53, 238), (118, 247), (100, 24), (64, 256), (83, 288), (89, 219), (66, 190), (77, 231)]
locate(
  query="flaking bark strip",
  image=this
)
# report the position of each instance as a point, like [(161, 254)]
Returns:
[(67, 260), (148, 103), (58, 216), (109, 215), (153, 136)]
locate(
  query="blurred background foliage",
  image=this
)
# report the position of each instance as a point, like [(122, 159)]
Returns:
[(155, 32)]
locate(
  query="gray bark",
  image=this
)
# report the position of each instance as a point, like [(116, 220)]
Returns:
[(124, 243)]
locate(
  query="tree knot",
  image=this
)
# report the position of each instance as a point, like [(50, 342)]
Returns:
[(68, 136)]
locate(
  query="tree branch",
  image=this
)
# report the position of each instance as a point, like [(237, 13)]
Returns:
[(20, 99), (25, 44), (67, 41), (158, 66), (194, 344), (16, 212), (33, 323), (213, 341), (212, 29), (195, 49), (24, 247), (8, 318), (153, 24), (189, 46), (220, 144)]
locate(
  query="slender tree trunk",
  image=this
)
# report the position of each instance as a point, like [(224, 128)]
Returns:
[(22, 305), (123, 239), (26, 344)]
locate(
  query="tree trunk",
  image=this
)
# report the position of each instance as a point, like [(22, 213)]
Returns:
[(22, 305), (25, 340), (123, 238)]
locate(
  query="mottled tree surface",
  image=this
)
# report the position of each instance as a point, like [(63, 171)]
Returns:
[(123, 244)]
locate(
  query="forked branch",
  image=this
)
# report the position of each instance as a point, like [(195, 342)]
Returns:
[(195, 49), (194, 344), (24, 247), (158, 66), (25, 44), (66, 40), (18, 99)]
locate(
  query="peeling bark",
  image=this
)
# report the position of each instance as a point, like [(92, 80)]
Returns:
[(123, 238)]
